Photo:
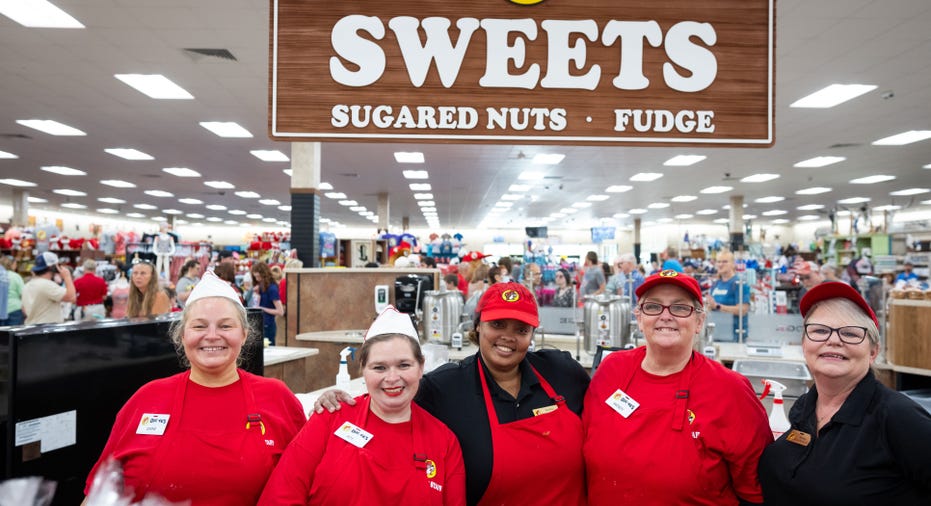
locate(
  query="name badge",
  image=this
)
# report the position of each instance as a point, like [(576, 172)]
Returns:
[(353, 435), (622, 403), (152, 424), (544, 410), (798, 437)]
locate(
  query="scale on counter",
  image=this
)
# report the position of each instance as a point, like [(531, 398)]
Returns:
[(758, 349)]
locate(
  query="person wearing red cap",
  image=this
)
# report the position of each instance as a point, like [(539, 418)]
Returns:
[(516, 413), (852, 441), (384, 449), (667, 425)]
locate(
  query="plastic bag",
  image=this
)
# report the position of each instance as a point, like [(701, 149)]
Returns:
[(31, 491), (107, 490)]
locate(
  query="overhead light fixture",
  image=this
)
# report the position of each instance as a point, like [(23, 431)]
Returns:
[(910, 191), (808, 217), (646, 176), (409, 157), (111, 200), (227, 129), (684, 160), (425, 210), (582, 205), (504, 204), (158, 193), (420, 187), (684, 198), (195, 216), (426, 203), (810, 207), (597, 198), (51, 127), (716, 189), (832, 95), (36, 200), (290, 172), (38, 14), (7, 156), (706, 212), (415, 174), (619, 188), (247, 195), (237, 212), (637, 211), (819, 161), (780, 221), (664, 220), (684, 216), (511, 196), (759, 178), (216, 207), (854, 200), (186, 172), (348, 203), (270, 202), (73, 205), (815, 190), (269, 220), (214, 219), (325, 186), (145, 207), (904, 138), (172, 211), (529, 175), (254, 216), (69, 193), (750, 216), (18, 182), (64, 171), (192, 202), (117, 183), (220, 185), (129, 154), (335, 195), (155, 86), (658, 205), (722, 221), (270, 155), (519, 188), (135, 215), (928, 166), (548, 158), (887, 207), (879, 178), (769, 200), (357, 209), (423, 196)]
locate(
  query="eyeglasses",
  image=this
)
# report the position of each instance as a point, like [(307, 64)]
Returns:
[(804, 278), (849, 334), (677, 310)]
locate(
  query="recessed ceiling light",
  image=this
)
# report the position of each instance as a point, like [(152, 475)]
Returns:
[(247, 195), (749, 216), (117, 183), (684, 160), (904, 138), (548, 158), (155, 86), (159, 193), (63, 171), (228, 129), (775, 212), (348, 203), (186, 172), (214, 219), (780, 221), (172, 211), (237, 212), (716, 189), (180, 221), (769, 200), (854, 200), (759, 178), (36, 200), (73, 205), (887, 207), (195, 216), (18, 182), (815, 190), (147, 207), (220, 185), (269, 220), (509, 196), (423, 196), (7, 156), (843, 212), (684, 216), (135, 215), (567, 210), (51, 127), (706, 212), (216, 207), (335, 195), (910, 191), (881, 178), (722, 220), (426, 203), (582, 205), (808, 217), (409, 157), (290, 172), (926, 166), (684, 198), (38, 14), (70, 193), (192, 202), (833, 95), (529, 175), (519, 188), (658, 205), (819, 161), (111, 200), (664, 220), (557, 215), (254, 216), (415, 174), (422, 209), (270, 155), (420, 187), (129, 154), (270, 202), (367, 214), (230, 222), (619, 188), (597, 198), (637, 211), (357, 209), (621, 215), (810, 207), (646, 176)]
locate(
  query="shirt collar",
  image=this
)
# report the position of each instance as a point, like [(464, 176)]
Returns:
[(858, 402)]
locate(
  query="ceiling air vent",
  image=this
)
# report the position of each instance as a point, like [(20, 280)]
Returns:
[(14, 136), (844, 145), (198, 54)]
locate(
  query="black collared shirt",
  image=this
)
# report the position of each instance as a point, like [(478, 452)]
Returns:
[(453, 394), (875, 450)]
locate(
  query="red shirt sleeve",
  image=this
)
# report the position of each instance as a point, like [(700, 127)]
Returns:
[(290, 482)]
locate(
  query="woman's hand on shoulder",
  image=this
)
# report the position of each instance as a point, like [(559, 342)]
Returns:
[(330, 400)]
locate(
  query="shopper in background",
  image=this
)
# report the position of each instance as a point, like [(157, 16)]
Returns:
[(852, 441), (228, 274), (666, 425), (615, 284), (829, 273), (452, 282), (670, 258), (42, 297), (506, 265), (190, 274), (146, 298), (4, 293), (327, 465), (593, 278), (565, 292), (906, 275), (212, 434), (516, 414), (478, 280), (726, 296), (90, 289), (291, 263), (14, 302), (264, 286), (633, 278), (494, 274), (226, 257)]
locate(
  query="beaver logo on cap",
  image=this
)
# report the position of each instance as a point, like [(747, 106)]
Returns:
[(669, 273), (510, 296), (526, 2)]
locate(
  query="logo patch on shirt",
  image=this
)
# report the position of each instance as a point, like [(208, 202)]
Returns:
[(152, 424), (691, 415), (431, 468)]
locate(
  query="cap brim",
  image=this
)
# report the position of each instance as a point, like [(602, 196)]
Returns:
[(678, 281), (834, 290), (510, 314)]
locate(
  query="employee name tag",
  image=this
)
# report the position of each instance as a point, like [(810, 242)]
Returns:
[(544, 410), (152, 424), (798, 437), (353, 435), (622, 403)]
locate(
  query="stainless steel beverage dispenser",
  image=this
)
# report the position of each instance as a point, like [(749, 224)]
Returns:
[(442, 311), (606, 321)]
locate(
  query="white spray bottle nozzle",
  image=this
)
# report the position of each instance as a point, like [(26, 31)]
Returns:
[(342, 376), (345, 353), (776, 387)]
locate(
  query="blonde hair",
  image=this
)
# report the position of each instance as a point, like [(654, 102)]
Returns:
[(140, 303)]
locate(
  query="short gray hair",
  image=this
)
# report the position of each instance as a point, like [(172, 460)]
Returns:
[(627, 257)]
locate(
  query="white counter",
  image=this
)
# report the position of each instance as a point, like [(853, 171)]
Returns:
[(333, 336), (279, 354), (356, 388)]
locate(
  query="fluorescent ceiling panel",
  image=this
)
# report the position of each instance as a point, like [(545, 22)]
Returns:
[(879, 178), (684, 160), (819, 161), (548, 158), (159, 193), (155, 86), (833, 95), (186, 172), (759, 178), (51, 127), (910, 191), (409, 157), (646, 176), (904, 138), (38, 14), (270, 155), (415, 174), (815, 190), (18, 182), (7, 156), (220, 185), (69, 193), (248, 195), (227, 129), (129, 154)]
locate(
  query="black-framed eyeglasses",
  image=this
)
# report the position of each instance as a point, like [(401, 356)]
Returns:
[(850, 334), (677, 310)]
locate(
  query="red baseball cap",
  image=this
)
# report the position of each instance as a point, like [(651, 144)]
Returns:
[(669, 276), (833, 290), (473, 255), (509, 300)]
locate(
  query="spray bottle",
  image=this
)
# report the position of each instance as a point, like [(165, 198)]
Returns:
[(778, 422), (342, 377)]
